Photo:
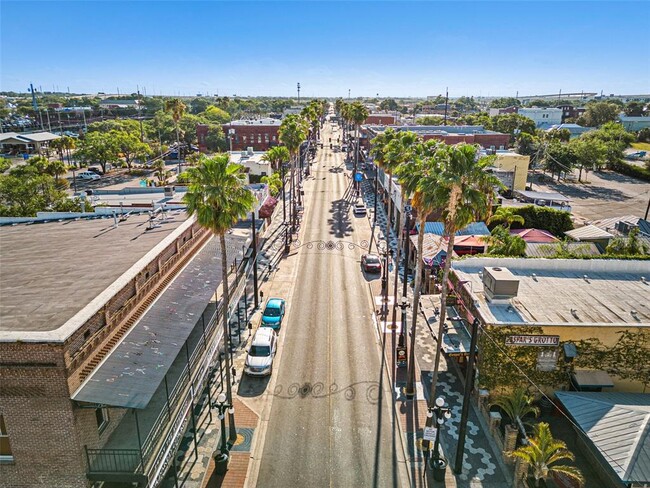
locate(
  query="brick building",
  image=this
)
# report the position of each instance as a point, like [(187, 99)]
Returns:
[(99, 339), (449, 134), (381, 119), (260, 134)]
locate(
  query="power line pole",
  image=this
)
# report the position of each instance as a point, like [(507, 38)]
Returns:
[(444, 122), (298, 93)]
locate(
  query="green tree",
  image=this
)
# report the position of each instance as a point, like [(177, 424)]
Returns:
[(275, 183), (505, 216), (635, 109), (599, 113), (630, 245), (588, 154), (176, 108), (430, 120), (388, 104), (160, 170), (124, 125), (216, 115), (98, 147), (385, 159), (542, 454), (505, 102), (218, 197), (517, 406), (512, 124), (130, 147), (358, 114), (502, 243), (293, 131), (276, 156), (558, 158), (460, 194), (5, 164), (615, 138), (26, 190)]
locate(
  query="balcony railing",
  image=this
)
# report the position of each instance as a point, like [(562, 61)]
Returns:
[(113, 460), (160, 445)]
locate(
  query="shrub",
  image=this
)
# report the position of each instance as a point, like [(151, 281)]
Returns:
[(631, 170), (557, 222)]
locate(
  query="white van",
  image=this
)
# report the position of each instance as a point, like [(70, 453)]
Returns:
[(88, 175)]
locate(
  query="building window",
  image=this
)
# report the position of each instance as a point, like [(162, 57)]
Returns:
[(5, 447), (273, 138), (101, 415), (266, 138), (244, 139), (259, 138)]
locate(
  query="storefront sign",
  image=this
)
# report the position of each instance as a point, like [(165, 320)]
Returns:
[(547, 360), (532, 340), (430, 434)]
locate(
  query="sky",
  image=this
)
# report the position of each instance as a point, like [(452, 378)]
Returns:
[(368, 48)]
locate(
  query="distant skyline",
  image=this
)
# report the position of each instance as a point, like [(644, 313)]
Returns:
[(371, 48)]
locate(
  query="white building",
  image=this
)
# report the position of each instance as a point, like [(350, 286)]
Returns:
[(253, 162), (634, 123), (543, 117)]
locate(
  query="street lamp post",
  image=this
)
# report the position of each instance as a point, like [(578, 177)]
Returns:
[(386, 254), (438, 413), (401, 343), (284, 211), (221, 460), (254, 256), (407, 242)]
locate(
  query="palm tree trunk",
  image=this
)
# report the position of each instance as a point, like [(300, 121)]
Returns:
[(225, 303), (397, 261), (410, 386), (443, 314)]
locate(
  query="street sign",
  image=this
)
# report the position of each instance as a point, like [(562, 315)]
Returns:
[(430, 434), (401, 356), (408, 208), (532, 340), (358, 177)]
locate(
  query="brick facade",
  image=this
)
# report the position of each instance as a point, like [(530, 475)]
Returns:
[(259, 137), (381, 119), (483, 140), (47, 431)]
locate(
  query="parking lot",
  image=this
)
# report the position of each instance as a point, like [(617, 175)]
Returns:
[(607, 194)]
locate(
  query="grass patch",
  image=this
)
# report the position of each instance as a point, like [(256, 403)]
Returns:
[(641, 146)]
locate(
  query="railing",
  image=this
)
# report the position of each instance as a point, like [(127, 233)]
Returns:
[(113, 460), (159, 447)]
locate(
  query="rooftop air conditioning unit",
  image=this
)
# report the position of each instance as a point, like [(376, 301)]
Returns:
[(499, 283)]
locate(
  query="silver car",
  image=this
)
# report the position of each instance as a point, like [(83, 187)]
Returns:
[(259, 361)]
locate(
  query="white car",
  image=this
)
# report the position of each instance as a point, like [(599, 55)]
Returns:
[(359, 209), (88, 175), (259, 361)]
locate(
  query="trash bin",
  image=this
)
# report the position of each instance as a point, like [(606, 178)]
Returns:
[(221, 463), (439, 467)]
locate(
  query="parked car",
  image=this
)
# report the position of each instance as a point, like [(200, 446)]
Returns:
[(96, 169), (371, 263), (359, 209), (273, 313), (259, 361), (88, 175)]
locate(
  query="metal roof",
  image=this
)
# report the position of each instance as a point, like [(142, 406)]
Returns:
[(543, 195), (552, 249), (473, 229), (618, 425), (588, 233), (131, 374)]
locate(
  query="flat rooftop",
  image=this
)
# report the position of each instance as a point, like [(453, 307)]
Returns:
[(50, 271), (441, 130), (595, 292)]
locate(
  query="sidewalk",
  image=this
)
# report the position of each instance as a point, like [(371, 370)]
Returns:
[(482, 465)]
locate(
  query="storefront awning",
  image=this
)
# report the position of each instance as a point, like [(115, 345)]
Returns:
[(584, 378), (266, 210)]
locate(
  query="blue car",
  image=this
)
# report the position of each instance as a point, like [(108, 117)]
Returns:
[(273, 313)]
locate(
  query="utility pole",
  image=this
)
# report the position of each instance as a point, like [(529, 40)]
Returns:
[(647, 210), (348, 94), (298, 93), (140, 116), (444, 122)]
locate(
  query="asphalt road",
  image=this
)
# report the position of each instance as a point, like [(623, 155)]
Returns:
[(331, 421)]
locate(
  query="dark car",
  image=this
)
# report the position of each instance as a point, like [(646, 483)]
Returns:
[(96, 170), (371, 263)]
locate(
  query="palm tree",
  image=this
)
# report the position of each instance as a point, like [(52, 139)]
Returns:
[(419, 178), (506, 216), (517, 405), (358, 114), (160, 170), (177, 109), (276, 156), (293, 131), (460, 193), (217, 195), (543, 452)]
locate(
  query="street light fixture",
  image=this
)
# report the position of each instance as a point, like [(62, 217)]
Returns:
[(221, 460), (438, 413)]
